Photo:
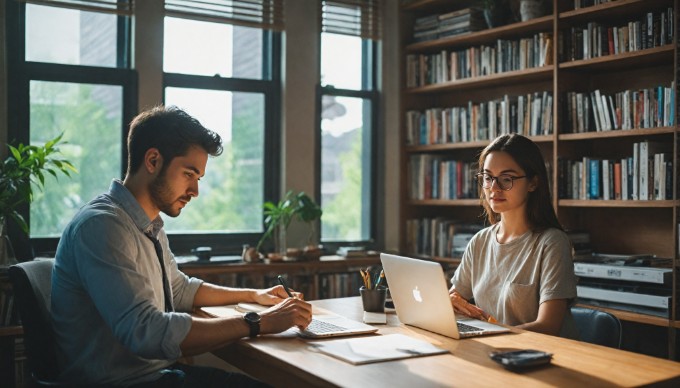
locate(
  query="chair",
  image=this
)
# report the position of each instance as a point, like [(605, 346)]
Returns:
[(597, 327), (32, 282)]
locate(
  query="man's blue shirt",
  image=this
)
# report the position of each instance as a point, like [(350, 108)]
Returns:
[(107, 295)]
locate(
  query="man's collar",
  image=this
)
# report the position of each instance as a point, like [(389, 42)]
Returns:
[(131, 206)]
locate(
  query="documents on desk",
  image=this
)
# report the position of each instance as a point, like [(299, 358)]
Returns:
[(364, 350)]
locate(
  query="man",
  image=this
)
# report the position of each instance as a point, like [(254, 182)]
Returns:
[(119, 302)]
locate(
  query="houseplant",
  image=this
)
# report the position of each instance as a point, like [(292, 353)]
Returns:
[(26, 166), (278, 217)]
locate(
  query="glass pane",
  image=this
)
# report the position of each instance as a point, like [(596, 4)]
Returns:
[(90, 116), (72, 37), (345, 168), (341, 57), (203, 48), (232, 191)]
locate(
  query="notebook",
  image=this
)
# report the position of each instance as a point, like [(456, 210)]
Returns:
[(322, 326), (421, 299)]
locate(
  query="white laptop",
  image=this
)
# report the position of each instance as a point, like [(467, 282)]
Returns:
[(421, 298), (322, 326)]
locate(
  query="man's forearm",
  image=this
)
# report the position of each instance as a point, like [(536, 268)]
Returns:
[(213, 295)]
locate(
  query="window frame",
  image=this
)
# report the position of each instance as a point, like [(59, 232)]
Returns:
[(270, 87), (18, 85), (369, 91)]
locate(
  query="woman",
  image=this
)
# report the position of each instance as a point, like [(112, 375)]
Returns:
[(520, 268)]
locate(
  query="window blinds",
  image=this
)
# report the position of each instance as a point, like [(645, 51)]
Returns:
[(352, 17), (265, 14), (118, 7)]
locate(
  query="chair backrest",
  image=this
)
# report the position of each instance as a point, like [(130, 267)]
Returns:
[(597, 327), (32, 283)]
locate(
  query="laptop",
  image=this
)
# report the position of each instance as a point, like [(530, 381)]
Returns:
[(421, 299), (322, 326)]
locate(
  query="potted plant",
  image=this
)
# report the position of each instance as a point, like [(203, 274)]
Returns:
[(309, 212), (278, 217), (26, 166)]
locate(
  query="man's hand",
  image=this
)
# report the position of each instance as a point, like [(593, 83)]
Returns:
[(290, 312), (274, 295), (462, 306)]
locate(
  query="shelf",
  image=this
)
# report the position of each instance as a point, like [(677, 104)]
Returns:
[(614, 10), (326, 264), (435, 5), (444, 202), (623, 61), (616, 203), (536, 74), (542, 24), (635, 317), (617, 133), (11, 331), (474, 145)]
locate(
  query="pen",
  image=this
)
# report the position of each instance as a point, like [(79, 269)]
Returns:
[(285, 286), (380, 278)]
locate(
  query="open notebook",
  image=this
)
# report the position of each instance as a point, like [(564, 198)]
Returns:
[(322, 326)]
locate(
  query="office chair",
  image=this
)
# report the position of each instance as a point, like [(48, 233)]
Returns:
[(597, 327), (32, 282)]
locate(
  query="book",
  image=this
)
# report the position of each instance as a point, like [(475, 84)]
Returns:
[(628, 273), (618, 259), (364, 350), (624, 297)]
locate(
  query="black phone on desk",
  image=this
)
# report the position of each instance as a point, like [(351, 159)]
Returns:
[(521, 359)]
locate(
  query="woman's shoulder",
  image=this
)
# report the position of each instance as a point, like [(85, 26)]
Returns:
[(554, 235)]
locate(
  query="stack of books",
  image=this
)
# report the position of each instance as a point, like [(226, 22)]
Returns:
[(454, 23), (625, 282)]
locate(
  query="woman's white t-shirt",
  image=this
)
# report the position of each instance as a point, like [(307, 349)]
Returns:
[(510, 281)]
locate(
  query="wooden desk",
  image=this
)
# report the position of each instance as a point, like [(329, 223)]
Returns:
[(285, 362)]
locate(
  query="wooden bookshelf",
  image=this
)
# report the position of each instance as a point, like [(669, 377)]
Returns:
[(615, 226)]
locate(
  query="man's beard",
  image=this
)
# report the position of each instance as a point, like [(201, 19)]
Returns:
[(161, 195)]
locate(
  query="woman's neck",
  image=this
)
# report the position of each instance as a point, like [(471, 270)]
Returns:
[(509, 229)]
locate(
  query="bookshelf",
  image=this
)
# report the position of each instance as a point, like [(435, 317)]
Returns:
[(615, 225)]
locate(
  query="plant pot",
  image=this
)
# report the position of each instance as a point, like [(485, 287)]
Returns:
[(7, 256)]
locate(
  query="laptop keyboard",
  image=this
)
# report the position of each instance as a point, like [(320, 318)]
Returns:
[(463, 328), (321, 327)]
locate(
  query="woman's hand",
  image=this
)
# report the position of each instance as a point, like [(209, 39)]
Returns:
[(462, 306)]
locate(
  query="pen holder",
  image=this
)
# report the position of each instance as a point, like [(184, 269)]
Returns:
[(374, 299)]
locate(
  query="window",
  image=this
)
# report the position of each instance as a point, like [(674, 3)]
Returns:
[(347, 119), (225, 73), (70, 74)]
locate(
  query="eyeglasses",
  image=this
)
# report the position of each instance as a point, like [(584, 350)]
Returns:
[(503, 181)]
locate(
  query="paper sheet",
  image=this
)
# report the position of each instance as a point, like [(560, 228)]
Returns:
[(363, 350)]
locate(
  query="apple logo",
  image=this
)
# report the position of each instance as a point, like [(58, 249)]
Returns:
[(416, 295)]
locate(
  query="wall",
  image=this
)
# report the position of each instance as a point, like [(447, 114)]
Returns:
[(3, 83)]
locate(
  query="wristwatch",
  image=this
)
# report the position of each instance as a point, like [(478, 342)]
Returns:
[(253, 321)]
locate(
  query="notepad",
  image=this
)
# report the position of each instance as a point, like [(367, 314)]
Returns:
[(364, 350)]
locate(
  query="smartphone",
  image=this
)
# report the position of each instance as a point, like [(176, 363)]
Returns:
[(518, 359)]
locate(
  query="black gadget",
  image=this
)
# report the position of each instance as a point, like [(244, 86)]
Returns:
[(519, 359), (253, 321)]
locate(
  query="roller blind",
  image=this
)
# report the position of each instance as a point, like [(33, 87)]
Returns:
[(265, 14), (352, 17), (118, 7)]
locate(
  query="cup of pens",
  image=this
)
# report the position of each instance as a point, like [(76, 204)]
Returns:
[(373, 293)]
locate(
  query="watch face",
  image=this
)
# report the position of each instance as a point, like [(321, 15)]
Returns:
[(252, 317)]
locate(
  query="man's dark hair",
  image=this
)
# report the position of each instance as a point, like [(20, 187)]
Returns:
[(172, 131)]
